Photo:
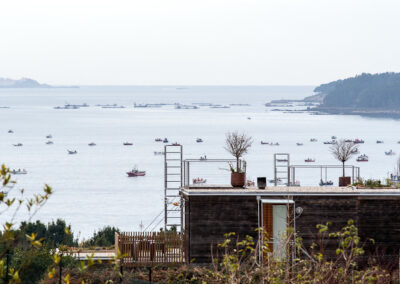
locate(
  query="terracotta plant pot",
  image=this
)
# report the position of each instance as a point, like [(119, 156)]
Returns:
[(344, 181), (238, 179)]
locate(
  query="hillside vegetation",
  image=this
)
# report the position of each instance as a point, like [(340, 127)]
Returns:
[(365, 91)]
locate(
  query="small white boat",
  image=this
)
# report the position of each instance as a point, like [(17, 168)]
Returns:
[(362, 158), (136, 173), (49, 142), (390, 153), (127, 144), (299, 144), (313, 140), (18, 145), (309, 160), (19, 172), (92, 144), (199, 140), (72, 152), (10, 131), (379, 142), (199, 181)]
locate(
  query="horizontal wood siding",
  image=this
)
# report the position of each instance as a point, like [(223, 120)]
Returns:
[(211, 217), (208, 218)]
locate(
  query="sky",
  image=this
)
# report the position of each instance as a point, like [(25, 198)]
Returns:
[(197, 42)]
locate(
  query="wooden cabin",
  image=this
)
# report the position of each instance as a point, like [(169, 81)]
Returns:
[(210, 212)]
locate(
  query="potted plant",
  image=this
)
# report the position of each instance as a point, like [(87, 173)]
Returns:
[(343, 151), (237, 144)]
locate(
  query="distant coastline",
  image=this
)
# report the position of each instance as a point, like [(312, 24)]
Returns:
[(26, 83), (373, 95)]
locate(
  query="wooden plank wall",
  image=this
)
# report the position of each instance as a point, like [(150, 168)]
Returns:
[(208, 218)]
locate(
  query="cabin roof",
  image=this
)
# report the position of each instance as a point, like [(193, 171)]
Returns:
[(287, 190)]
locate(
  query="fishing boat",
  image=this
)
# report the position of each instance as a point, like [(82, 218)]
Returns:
[(332, 142), (348, 140), (136, 173), (354, 151), (203, 157), (362, 158), (264, 143), (176, 144), (158, 140), (313, 140), (199, 180), (72, 152), (165, 140), (390, 153), (358, 141), (309, 160), (325, 183), (199, 140), (19, 172), (49, 143), (10, 131), (299, 144), (92, 144), (49, 136), (274, 144), (379, 142), (127, 144), (18, 145)]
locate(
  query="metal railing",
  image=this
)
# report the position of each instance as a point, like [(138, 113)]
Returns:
[(208, 172)]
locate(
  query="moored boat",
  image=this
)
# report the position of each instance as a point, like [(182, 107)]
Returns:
[(309, 160), (199, 180), (72, 152), (136, 173), (49, 136), (299, 144), (264, 143), (10, 131), (18, 145), (127, 144), (92, 144), (165, 140), (49, 142), (325, 183), (358, 141), (362, 158), (313, 140), (390, 153), (379, 142), (158, 140), (199, 140), (19, 172)]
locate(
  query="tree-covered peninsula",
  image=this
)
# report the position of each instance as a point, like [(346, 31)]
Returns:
[(365, 91)]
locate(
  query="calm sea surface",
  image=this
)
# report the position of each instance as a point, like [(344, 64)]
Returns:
[(91, 189)]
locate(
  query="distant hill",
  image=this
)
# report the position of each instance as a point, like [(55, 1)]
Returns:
[(21, 83), (362, 92)]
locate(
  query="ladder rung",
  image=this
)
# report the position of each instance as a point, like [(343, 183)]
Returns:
[(171, 196), (173, 181), (173, 224), (174, 167), (173, 160), (173, 188), (174, 174), (173, 152)]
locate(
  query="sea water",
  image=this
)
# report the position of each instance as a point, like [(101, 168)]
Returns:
[(91, 188)]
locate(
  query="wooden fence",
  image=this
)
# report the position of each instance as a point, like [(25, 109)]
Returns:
[(150, 248)]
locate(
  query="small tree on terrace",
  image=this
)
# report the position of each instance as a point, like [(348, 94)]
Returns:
[(237, 144), (343, 151)]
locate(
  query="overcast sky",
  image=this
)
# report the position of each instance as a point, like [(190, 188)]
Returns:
[(197, 42)]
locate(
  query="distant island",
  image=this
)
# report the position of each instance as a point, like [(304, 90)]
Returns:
[(365, 94), (26, 83)]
